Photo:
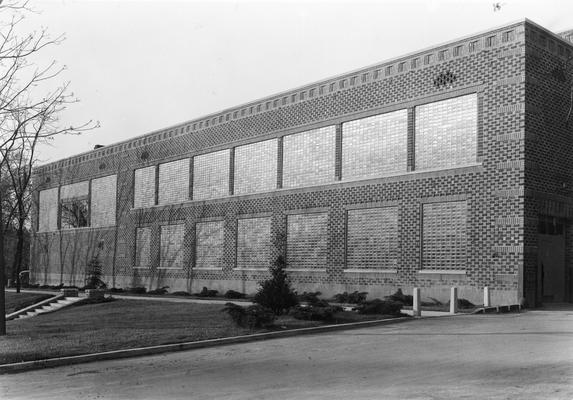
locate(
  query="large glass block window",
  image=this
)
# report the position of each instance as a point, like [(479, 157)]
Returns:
[(253, 242), (48, 210), (375, 145), (444, 235), (74, 205), (172, 246), (174, 182), (309, 157), (144, 187), (211, 175), (209, 244), (256, 167), (103, 201), (372, 238), (143, 247), (307, 236), (446, 133)]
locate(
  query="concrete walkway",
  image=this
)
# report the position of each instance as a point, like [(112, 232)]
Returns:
[(509, 356)]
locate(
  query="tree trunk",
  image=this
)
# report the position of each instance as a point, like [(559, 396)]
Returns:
[(2, 290), (19, 253)]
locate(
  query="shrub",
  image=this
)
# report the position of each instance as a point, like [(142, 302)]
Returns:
[(400, 297), (233, 294), (94, 273), (255, 316), (353, 298), (161, 290), (207, 292), (181, 294), (378, 306), (137, 290), (315, 313), (116, 290), (309, 297), (276, 293)]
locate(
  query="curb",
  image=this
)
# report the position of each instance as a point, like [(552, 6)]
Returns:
[(168, 348)]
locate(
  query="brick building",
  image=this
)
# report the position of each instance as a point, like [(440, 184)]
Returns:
[(450, 166)]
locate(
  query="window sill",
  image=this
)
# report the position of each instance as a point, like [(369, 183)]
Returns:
[(369, 271)]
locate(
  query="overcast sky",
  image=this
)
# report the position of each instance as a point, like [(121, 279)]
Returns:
[(138, 66)]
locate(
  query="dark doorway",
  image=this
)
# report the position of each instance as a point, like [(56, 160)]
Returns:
[(551, 282)]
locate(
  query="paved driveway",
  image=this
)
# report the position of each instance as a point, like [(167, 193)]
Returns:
[(512, 356)]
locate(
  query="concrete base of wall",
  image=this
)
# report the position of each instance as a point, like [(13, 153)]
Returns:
[(439, 292)]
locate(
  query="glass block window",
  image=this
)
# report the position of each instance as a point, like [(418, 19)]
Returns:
[(372, 238), (48, 210), (256, 167), (103, 201), (309, 157), (209, 244), (253, 242), (74, 213), (74, 205), (174, 182), (144, 187), (307, 236), (211, 175), (444, 235), (172, 246), (75, 190), (375, 145), (446, 133), (143, 247)]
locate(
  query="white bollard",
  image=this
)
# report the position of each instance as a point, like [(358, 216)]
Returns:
[(416, 303), (453, 300), (486, 297)]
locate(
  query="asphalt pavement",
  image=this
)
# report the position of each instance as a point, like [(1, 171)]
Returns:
[(503, 356)]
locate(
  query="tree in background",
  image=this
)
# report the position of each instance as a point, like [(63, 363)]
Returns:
[(29, 109)]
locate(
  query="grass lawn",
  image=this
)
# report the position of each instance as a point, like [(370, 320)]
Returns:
[(123, 324), (17, 301)]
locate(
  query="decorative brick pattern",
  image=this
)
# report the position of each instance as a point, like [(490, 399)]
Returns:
[(209, 244), (372, 238), (211, 175), (172, 251), (48, 210), (308, 157), (446, 133), (444, 235), (143, 248), (174, 182), (144, 187), (253, 242), (103, 201), (375, 145), (256, 167), (307, 238)]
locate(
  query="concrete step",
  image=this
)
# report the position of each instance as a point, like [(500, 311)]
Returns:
[(51, 307)]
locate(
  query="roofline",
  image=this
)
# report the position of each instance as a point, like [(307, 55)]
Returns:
[(311, 85)]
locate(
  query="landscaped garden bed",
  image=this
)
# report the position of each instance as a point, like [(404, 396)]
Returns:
[(124, 324)]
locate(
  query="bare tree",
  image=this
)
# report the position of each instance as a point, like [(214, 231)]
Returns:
[(29, 110)]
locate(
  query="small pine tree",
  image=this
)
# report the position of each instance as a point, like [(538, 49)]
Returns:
[(94, 274), (276, 293)]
